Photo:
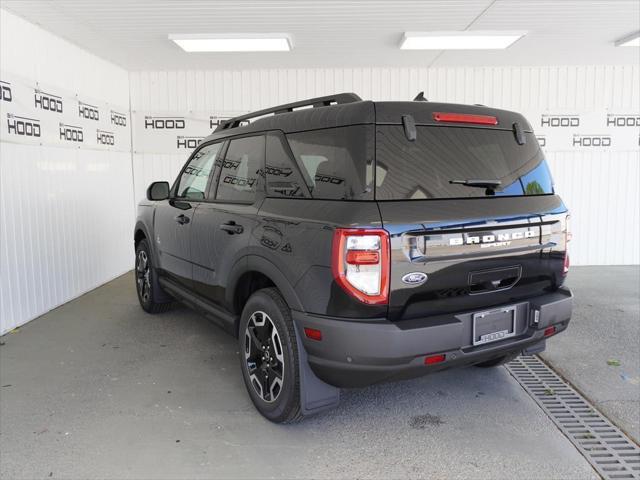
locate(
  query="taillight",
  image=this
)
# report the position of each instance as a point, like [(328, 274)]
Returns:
[(465, 118), (567, 238), (360, 263)]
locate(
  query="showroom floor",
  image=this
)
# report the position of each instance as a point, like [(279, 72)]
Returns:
[(99, 389)]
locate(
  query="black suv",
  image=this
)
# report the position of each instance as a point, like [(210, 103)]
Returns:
[(348, 242)]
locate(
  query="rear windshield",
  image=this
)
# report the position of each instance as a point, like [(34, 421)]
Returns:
[(425, 168)]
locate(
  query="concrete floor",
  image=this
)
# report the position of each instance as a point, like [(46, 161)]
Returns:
[(605, 330), (99, 389)]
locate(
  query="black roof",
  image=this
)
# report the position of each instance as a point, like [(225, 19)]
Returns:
[(348, 109)]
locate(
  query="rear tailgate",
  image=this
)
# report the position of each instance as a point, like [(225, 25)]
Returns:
[(476, 253), (468, 199)]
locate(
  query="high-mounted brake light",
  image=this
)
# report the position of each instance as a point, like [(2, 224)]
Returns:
[(360, 263), (465, 118)]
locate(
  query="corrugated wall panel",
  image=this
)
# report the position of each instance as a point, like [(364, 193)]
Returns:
[(601, 187), (536, 88), (602, 192), (66, 214)]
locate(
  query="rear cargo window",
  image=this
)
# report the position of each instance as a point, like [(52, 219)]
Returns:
[(337, 162), (424, 168)]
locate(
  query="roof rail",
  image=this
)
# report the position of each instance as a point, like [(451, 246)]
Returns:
[(338, 98)]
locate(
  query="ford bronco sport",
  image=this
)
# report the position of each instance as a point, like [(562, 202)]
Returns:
[(348, 242)]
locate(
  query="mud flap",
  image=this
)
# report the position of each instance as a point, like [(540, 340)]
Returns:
[(315, 395), (535, 348)]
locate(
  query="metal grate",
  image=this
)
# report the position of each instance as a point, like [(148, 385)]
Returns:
[(610, 452)]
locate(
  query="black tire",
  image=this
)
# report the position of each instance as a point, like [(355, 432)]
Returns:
[(266, 326), (150, 295), (496, 362)]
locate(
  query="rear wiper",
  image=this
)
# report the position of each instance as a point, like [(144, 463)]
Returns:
[(478, 183)]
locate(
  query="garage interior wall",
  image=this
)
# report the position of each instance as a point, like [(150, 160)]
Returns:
[(66, 212), (600, 185)]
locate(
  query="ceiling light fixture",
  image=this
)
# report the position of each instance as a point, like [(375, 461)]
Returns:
[(632, 40), (459, 40), (232, 42)]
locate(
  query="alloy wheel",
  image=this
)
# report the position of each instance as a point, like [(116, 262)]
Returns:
[(264, 356), (143, 270)]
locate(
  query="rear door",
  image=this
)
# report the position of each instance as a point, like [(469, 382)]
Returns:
[(455, 246), (173, 217), (223, 225)]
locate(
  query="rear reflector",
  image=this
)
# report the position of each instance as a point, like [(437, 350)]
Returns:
[(313, 334), (430, 360), (465, 118), (549, 331)]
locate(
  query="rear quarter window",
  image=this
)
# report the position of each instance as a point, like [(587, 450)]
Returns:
[(337, 163), (424, 168)]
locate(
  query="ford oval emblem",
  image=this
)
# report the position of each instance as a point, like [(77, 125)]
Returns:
[(415, 278)]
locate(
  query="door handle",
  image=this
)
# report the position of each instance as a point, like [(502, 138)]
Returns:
[(182, 219), (231, 227)]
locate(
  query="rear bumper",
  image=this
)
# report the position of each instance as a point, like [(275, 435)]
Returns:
[(357, 353)]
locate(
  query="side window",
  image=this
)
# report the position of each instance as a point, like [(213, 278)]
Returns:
[(194, 178), (283, 177), (337, 162), (241, 169)]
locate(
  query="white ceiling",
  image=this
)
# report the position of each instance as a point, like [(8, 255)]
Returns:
[(338, 33)]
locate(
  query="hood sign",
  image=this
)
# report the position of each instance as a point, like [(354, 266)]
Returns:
[(499, 240), (415, 278)]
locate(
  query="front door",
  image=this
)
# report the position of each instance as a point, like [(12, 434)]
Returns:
[(174, 217)]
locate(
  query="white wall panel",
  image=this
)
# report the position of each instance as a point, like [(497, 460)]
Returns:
[(600, 185), (601, 190), (66, 213)]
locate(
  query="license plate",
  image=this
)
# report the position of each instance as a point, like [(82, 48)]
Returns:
[(494, 325)]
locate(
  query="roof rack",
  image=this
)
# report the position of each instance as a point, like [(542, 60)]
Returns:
[(336, 99)]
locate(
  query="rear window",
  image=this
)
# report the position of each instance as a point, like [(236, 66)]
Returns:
[(337, 163), (424, 168)]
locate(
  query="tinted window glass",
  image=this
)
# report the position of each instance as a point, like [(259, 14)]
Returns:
[(424, 168), (283, 177), (240, 169), (337, 162), (194, 178)]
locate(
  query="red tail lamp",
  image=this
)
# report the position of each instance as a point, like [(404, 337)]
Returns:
[(549, 331), (363, 257)]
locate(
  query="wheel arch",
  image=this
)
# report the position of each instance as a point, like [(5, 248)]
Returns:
[(258, 273), (139, 235)]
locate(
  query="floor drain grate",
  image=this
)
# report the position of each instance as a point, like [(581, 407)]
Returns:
[(609, 450)]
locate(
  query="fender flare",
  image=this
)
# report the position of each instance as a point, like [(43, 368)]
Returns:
[(262, 265), (140, 225)]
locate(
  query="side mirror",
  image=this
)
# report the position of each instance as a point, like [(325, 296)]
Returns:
[(158, 191)]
